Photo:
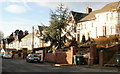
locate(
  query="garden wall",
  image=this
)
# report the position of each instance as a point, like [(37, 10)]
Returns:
[(106, 54), (61, 56)]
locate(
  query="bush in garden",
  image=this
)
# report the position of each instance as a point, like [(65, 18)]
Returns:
[(83, 39)]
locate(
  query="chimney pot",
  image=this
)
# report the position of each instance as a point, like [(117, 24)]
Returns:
[(88, 10)]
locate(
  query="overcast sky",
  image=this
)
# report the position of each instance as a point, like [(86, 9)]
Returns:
[(23, 14)]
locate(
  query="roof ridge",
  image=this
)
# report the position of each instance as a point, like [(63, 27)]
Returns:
[(118, 3), (78, 12), (107, 7)]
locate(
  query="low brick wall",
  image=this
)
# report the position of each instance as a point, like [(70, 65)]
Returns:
[(107, 53), (61, 56), (50, 57), (93, 55), (17, 57)]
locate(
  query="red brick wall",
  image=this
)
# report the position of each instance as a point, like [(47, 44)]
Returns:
[(50, 57), (93, 55), (60, 56), (17, 57), (106, 54)]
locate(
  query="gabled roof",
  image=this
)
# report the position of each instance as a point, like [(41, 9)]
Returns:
[(109, 7), (28, 36), (78, 16), (41, 28)]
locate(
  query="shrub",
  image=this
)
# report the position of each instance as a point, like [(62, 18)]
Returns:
[(83, 39), (102, 42)]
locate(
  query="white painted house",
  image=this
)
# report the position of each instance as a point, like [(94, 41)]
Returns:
[(73, 19), (30, 41), (26, 42), (13, 45), (103, 22)]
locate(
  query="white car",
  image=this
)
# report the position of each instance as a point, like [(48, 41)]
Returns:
[(7, 56), (1, 54)]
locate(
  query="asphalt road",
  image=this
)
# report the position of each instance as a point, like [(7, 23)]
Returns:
[(20, 65)]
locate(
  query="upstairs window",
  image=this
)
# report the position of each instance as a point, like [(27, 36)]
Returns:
[(98, 18), (91, 24), (70, 19), (106, 17), (84, 26)]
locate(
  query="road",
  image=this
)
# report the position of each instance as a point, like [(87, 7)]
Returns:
[(20, 65)]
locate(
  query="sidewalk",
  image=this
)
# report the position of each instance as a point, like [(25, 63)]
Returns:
[(92, 67)]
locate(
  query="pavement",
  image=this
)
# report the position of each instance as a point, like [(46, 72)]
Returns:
[(20, 65), (97, 67)]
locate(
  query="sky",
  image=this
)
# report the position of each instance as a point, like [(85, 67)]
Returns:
[(23, 14)]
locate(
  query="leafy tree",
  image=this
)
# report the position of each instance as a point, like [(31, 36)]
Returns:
[(58, 23)]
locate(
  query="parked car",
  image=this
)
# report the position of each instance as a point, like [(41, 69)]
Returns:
[(7, 56), (39, 55), (1, 54), (32, 58)]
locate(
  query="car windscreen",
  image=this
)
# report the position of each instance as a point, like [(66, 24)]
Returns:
[(33, 55)]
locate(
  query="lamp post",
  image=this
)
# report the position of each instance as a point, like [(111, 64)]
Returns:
[(6, 42), (33, 39)]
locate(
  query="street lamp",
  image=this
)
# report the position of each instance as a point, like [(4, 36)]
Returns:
[(6, 42)]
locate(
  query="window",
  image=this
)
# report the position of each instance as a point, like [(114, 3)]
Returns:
[(111, 29), (81, 26), (70, 19), (106, 17), (78, 25), (104, 30), (98, 18), (91, 24), (78, 37), (84, 26), (111, 15)]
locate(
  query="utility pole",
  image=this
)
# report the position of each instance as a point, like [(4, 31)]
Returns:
[(6, 42), (32, 38)]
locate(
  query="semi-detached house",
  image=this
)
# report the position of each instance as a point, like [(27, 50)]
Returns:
[(29, 40), (73, 20), (102, 22)]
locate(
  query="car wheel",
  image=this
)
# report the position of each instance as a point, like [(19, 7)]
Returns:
[(29, 61), (38, 61), (26, 60)]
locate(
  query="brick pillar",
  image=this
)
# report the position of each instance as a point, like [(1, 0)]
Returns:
[(93, 55), (73, 52), (45, 55), (117, 47), (101, 59)]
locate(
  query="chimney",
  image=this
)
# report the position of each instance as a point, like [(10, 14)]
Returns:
[(88, 10)]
